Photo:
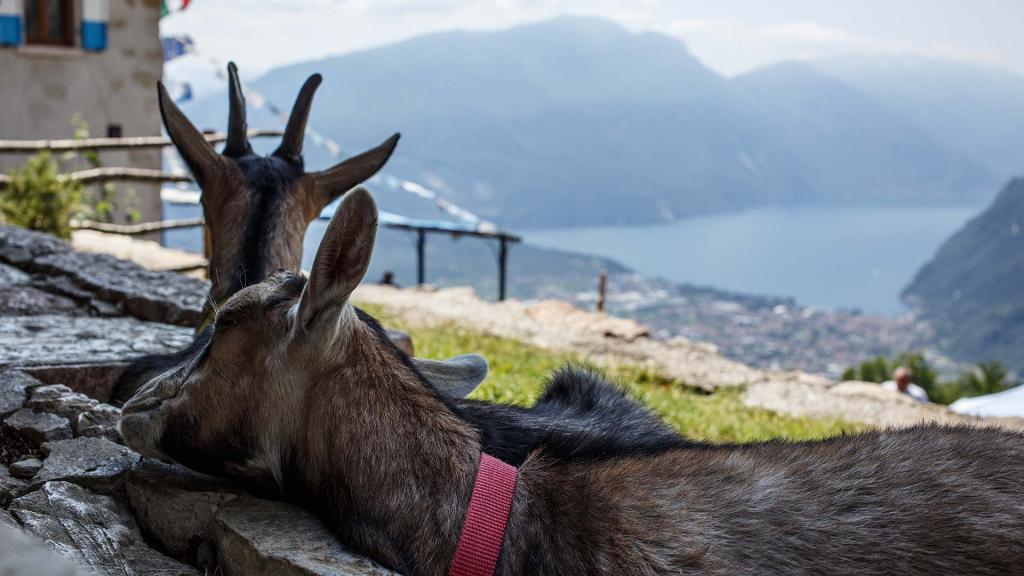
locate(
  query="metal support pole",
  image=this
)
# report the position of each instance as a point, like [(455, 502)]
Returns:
[(421, 249), (502, 264)]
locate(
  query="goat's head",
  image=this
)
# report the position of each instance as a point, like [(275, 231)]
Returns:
[(257, 208), (282, 352)]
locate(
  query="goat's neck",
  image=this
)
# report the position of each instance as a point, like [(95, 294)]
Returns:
[(387, 463)]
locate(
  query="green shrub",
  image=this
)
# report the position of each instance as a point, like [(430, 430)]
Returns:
[(38, 199)]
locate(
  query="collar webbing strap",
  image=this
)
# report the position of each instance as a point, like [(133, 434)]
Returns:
[(484, 527)]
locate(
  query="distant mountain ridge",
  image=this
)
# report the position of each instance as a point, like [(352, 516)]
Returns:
[(975, 110), (973, 290), (576, 121)]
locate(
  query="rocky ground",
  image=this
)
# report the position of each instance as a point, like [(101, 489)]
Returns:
[(70, 321), (73, 499)]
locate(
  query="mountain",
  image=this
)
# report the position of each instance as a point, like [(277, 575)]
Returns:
[(973, 290), (576, 121), (975, 110), (847, 148)]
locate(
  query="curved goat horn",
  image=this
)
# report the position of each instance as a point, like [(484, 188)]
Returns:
[(237, 143), (200, 156), (295, 132), (342, 177)]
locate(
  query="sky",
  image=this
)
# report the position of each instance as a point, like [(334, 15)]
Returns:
[(730, 36)]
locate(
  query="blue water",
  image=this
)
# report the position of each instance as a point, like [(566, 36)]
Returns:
[(853, 258)]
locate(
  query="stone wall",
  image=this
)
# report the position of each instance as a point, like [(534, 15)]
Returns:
[(68, 323)]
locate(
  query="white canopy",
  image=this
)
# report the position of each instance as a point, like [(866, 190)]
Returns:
[(1006, 403)]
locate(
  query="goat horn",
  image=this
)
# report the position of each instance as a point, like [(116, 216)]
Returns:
[(341, 178), (200, 156), (238, 142), (295, 132)]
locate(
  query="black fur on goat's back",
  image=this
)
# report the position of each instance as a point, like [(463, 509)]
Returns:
[(581, 415)]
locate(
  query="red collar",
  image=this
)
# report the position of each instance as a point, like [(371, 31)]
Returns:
[(484, 527)]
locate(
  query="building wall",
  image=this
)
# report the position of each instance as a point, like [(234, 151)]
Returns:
[(42, 88)]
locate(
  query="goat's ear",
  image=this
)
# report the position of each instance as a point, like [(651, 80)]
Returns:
[(339, 179), (454, 377), (200, 156), (342, 259)]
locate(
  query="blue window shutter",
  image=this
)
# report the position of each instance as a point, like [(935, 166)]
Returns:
[(95, 14), (11, 12)]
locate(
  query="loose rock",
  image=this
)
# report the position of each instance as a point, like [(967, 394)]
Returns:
[(14, 386), (95, 531), (99, 422), (25, 469), (38, 427), (11, 486), (60, 400), (252, 539), (96, 463)]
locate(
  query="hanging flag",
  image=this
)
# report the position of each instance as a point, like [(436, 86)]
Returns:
[(174, 6), (184, 92), (175, 46), (95, 14), (10, 22)]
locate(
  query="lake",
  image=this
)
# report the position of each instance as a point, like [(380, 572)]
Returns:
[(853, 258)]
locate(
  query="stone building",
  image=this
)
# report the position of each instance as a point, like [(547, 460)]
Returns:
[(95, 59)]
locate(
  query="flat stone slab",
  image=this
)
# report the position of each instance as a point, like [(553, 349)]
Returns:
[(24, 300), (95, 531), (38, 427), (9, 275), (125, 286), (41, 340), (260, 537), (20, 247), (176, 506), (94, 379), (96, 463)]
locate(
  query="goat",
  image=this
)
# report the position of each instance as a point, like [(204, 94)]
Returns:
[(295, 390), (257, 208)]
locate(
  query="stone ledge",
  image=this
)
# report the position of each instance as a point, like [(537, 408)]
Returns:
[(250, 541), (122, 286)]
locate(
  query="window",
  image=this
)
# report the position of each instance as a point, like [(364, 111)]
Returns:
[(49, 22)]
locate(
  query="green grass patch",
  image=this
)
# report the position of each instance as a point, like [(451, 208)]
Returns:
[(519, 371)]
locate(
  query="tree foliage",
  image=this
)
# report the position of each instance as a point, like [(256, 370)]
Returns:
[(38, 199)]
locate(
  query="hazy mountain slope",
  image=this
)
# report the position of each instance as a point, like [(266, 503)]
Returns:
[(973, 290), (973, 109), (849, 149), (577, 121)]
